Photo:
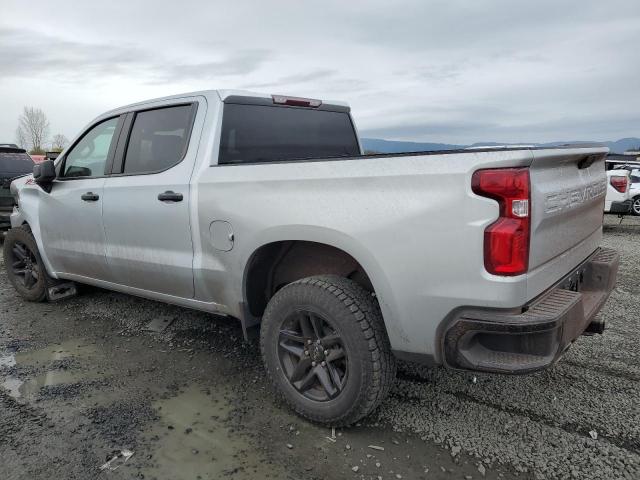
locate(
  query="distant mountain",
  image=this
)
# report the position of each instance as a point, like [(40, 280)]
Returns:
[(624, 144), (393, 146)]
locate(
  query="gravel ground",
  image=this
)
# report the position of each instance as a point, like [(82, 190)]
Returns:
[(81, 380)]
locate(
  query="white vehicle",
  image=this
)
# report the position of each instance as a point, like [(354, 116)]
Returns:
[(634, 191), (618, 199)]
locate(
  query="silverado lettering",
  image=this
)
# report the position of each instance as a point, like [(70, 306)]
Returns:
[(567, 199)]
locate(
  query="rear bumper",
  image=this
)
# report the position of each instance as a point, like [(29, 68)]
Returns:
[(621, 207), (539, 333)]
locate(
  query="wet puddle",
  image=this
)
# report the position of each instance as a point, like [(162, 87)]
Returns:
[(7, 361), (191, 439), (194, 442), (70, 348), (12, 386), (28, 389)]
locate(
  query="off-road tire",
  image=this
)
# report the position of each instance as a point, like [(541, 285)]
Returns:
[(355, 314), (23, 235)]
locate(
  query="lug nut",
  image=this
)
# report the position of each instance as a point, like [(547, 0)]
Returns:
[(326, 352), (308, 342), (306, 352), (313, 364), (324, 364)]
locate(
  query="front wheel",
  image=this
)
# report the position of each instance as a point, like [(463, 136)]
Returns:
[(635, 206), (325, 348), (24, 266)]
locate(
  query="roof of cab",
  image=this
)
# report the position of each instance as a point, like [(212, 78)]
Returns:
[(221, 95)]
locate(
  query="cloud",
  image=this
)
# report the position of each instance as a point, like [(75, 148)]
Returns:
[(444, 71), (304, 77), (469, 131), (26, 53), (242, 62)]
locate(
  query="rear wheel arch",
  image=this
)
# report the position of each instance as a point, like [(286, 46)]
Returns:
[(276, 264)]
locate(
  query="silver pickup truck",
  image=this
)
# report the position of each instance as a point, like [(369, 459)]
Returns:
[(264, 208)]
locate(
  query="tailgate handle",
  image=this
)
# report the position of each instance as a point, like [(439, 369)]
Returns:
[(587, 161)]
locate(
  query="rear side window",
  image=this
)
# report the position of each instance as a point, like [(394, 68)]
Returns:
[(12, 163), (158, 139), (260, 133), (635, 179)]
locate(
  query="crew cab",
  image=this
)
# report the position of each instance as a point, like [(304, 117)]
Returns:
[(264, 208)]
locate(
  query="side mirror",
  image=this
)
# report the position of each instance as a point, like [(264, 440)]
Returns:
[(44, 173)]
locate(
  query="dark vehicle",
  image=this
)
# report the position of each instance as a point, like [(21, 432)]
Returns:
[(14, 162)]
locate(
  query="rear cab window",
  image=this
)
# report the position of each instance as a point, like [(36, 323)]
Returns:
[(14, 162), (254, 133), (159, 139)]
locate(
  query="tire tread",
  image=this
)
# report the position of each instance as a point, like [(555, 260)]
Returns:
[(365, 311)]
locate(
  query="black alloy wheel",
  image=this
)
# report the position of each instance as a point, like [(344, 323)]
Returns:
[(325, 349), (313, 356), (24, 265)]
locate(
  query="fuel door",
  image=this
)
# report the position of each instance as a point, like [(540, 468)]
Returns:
[(221, 235)]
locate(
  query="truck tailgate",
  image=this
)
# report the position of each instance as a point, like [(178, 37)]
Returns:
[(568, 188)]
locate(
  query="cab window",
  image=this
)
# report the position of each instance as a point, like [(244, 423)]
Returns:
[(89, 156), (159, 139)]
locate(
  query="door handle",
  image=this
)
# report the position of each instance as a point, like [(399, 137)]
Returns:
[(90, 197), (170, 196)]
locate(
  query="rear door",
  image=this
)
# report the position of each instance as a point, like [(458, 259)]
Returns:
[(568, 188), (146, 199)]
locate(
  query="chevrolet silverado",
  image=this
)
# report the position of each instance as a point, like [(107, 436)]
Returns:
[(264, 208)]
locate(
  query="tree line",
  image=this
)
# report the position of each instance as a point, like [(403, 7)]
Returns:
[(32, 133)]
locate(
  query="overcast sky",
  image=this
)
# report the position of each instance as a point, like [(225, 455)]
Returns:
[(431, 70)]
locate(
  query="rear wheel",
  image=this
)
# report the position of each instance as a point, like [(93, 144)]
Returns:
[(24, 266), (325, 349), (635, 206)]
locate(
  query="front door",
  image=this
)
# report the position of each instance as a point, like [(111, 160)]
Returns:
[(146, 202), (71, 218)]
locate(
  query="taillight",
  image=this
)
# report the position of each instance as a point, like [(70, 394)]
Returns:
[(619, 183), (506, 241)]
